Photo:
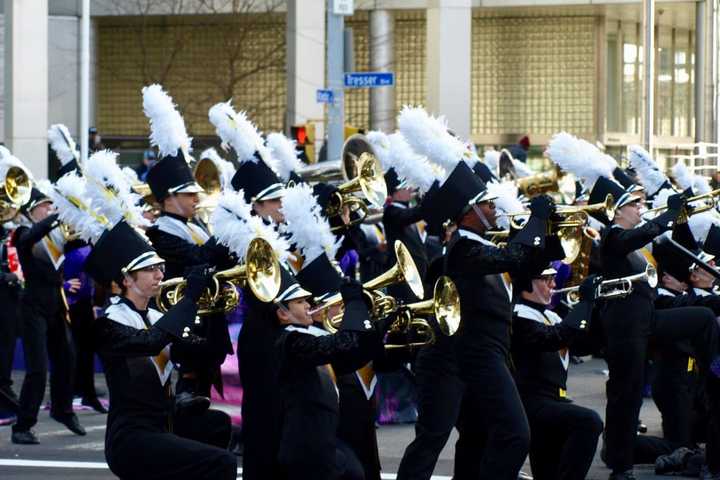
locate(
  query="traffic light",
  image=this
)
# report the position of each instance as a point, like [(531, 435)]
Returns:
[(304, 136)]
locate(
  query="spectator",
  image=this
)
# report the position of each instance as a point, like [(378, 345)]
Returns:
[(149, 159), (519, 151), (94, 141)]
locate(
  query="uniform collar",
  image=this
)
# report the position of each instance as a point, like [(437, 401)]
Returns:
[(175, 216), (470, 235), (534, 305)]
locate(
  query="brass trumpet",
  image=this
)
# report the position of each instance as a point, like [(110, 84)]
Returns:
[(261, 272), (709, 199), (412, 320), (404, 270), (614, 288), (14, 192), (569, 213)]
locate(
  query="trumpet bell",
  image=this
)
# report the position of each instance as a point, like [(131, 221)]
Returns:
[(571, 238), (372, 180), (14, 192), (406, 270)]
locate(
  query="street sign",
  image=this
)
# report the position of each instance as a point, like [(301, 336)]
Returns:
[(343, 7), (369, 79), (324, 96)]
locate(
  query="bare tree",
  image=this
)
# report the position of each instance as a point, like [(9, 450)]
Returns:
[(247, 47)]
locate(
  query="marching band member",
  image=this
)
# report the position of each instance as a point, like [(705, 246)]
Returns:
[(629, 321), (564, 436), (46, 333), (477, 266), (134, 344), (182, 242), (309, 360)]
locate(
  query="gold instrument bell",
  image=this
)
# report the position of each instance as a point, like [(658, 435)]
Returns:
[(14, 192), (404, 271), (444, 306), (207, 175), (261, 273)]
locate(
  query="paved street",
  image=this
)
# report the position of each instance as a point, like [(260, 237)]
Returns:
[(82, 457)]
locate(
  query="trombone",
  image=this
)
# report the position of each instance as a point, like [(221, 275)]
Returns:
[(614, 288), (382, 305), (261, 272), (412, 319)]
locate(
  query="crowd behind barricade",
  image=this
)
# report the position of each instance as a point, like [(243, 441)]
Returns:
[(417, 280)]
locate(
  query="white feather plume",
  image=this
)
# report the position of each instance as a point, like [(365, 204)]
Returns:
[(70, 199), (682, 175), (283, 151), (235, 227), (660, 200), (131, 175), (492, 160), (167, 127), (381, 146), (309, 230), (236, 130), (224, 167), (648, 172), (7, 160), (428, 136), (45, 186), (579, 157), (700, 224), (701, 185), (62, 143), (415, 169), (506, 202), (110, 191), (521, 169)]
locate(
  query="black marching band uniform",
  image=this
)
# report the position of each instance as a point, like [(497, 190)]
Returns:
[(46, 332), (630, 321), (183, 244), (9, 323), (134, 346), (564, 435)]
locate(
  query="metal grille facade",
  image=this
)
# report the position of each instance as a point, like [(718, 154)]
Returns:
[(409, 49), (200, 60), (533, 75)]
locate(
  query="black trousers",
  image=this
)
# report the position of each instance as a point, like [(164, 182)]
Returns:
[(346, 466), (81, 324), (45, 335), (564, 437), (629, 322), (212, 427), (493, 426), (155, 455), (440, 392), (9, 332)]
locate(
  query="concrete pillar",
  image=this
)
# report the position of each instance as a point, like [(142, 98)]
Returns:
[(26, 82), (305, 36), (449, 38), (382, 59), (700, 71)]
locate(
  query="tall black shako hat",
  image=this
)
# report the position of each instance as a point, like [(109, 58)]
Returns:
[(462, 189), (36, 198), (290, 289), (117, 252), (257, 181), (626, 181), (319, 277), (172, 175), (604, 186)]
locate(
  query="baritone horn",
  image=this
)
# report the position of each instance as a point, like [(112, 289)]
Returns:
[(404, 271), (539, 183), (412, 320), (207, 175), (615, 287), (260, 272), (14, 192)]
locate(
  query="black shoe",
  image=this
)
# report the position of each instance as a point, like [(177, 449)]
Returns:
[(628, 475), (188, 404), (9, 400), (24, 437), (672, 463), (705, 474), (71, 421), (95, 404)]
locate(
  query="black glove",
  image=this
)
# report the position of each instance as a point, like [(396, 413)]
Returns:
[(677, 201), (198, 278), (351, 290), (9, 279), (542, 207), (589, 288)]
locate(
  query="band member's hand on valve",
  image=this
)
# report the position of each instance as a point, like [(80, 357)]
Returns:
[(198, 279), (579, 317)]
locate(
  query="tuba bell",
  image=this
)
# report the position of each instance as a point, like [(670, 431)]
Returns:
[(14, 192), (444, 306), (261, 273), (404, 271)]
